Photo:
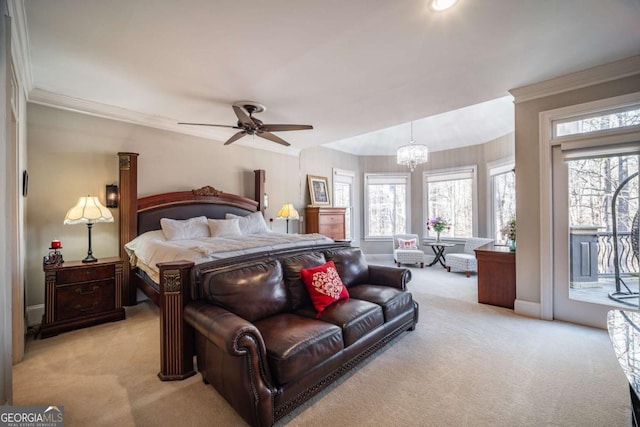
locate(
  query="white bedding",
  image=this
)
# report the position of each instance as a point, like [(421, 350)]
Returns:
[(151, 248)]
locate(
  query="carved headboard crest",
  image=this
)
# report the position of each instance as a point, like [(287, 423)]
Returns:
[(207, 190)]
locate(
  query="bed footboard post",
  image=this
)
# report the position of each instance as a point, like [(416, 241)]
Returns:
[(128, 210), (176, 337)]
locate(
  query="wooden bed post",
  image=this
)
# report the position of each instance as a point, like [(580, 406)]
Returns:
[(260, 192), (176, 337), (128, 218)]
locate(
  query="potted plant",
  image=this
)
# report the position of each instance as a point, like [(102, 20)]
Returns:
[(438, 225), (509, 230)]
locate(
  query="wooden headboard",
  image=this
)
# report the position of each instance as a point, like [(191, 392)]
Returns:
[(141, 215)]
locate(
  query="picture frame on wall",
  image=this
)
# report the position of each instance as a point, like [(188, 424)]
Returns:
[(319, 190)]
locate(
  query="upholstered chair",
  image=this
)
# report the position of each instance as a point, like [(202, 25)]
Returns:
[(406, 250), (466, 260)]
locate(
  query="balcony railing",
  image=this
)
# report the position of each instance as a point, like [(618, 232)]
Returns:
[(628, 260)]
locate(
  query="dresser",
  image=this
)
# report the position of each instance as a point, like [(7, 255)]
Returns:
[(325, 220), (496, 275), (81, 294)]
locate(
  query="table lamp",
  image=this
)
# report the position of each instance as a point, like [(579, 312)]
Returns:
[(287, 211), (88, 211)]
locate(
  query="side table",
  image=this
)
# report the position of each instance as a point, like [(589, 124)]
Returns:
[(81, 294), (438, 249)]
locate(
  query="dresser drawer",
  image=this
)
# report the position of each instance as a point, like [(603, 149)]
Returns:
[(331, 219), (94, 272), (87, 298), (335, 231)]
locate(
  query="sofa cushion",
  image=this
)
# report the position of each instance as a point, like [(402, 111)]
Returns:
[(295, 344), (291, 266), (351, 265), (252, 291), (393, 301), (355, 317), (324, 285)]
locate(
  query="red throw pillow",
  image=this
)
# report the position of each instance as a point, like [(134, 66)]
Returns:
[(324, 285)]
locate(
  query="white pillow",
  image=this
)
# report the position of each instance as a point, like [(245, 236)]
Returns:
[(192, 228), (251, 224), (407, 244), (224, 227)]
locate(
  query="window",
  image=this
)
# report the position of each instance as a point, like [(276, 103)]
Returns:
[(502, 182), (343, 197), (387, 204), (451, 195), (609, 119)]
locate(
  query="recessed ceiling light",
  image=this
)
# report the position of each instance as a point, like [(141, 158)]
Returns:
[(442, 4)]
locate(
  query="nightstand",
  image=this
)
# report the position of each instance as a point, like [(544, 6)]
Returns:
[(81, 294)]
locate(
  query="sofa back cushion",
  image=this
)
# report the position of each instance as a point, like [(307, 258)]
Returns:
[(253, 291), (351, 265), (292, 265)]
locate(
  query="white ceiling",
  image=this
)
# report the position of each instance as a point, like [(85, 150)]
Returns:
[(349, 68)]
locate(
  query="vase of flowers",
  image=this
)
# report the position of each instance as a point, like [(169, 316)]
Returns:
[(438, 225), (509, 230)]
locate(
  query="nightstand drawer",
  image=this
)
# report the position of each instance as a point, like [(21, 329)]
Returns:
[(83, 274), (87, 298)]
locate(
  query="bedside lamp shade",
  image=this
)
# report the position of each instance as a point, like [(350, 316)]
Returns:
[(88, 211), (287, 211)]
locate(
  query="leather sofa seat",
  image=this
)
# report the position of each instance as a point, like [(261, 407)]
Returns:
[(354, 317), (296, 343), (392, 301)]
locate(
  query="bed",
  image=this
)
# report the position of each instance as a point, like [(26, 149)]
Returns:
[(166, 277)]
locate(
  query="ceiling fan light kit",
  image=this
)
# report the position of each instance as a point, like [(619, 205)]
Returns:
[(249, 125)]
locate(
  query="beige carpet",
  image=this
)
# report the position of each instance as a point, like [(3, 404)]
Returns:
[(466, 364)]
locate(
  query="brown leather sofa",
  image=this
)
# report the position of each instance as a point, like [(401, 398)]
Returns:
[(260, 343)]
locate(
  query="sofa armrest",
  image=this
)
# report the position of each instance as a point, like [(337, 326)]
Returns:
[(224, 329), (237, 365), (389, 276)]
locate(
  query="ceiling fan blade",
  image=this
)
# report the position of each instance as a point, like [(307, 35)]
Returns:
[(208, 124), (235, 137), (243, 117), (282, 128), (272, 137)]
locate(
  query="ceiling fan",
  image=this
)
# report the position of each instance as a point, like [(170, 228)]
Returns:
[(249, 125)]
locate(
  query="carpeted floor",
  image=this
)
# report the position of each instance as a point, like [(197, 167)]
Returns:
[(466, 364)]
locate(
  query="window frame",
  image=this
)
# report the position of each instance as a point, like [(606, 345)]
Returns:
[(447, 175), (494, 168), (344, 176), (385, 178)]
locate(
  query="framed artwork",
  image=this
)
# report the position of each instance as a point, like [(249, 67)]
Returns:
[(319, 190)]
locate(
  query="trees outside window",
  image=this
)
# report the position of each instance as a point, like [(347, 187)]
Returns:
[(451, 195), (387, 205), (502, 183)]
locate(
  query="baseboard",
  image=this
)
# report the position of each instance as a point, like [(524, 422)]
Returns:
[(527, 308), (34, 314)]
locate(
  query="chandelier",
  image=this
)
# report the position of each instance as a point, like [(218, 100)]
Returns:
[(412, 154)]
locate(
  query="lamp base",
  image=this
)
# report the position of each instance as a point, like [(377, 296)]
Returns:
[(90, 258)]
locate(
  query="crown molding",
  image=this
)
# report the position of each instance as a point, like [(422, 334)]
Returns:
[(20, 44), (56, 100), (578, 80)]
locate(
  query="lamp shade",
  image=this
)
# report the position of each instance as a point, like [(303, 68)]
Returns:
[(88, 210), (287, 211)]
